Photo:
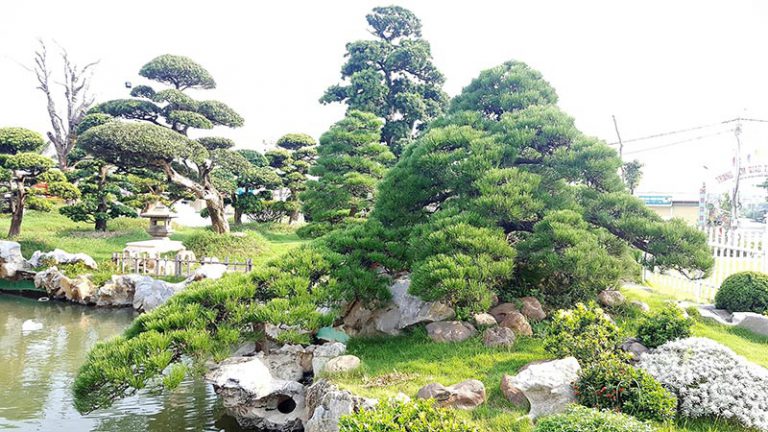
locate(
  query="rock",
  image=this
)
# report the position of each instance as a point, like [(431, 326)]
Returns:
[(11, 260), (330, 334), (753, 322), (323, 353), (634, 348), (484, 320), (465, 395), (274, 331), (342, 364), (641, 305), (326, 404), (151, 293), (118, 291), (58, 256), (208, 271), (532, 309), (517, 322), (498, 337), (502, 310), (547, 385), (245, 350), (57, 285), (286, 363), (450, 331), (513, 394), (403, 311), (256, 399), (611, 298)]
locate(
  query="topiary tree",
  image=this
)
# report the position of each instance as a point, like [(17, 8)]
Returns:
[(392, 76), (22, 168), (507, 159), (189, 164), (292, 159), (350, 164), (744, 292), (255, 194)]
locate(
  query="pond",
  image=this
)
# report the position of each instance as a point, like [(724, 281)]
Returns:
[(42, 345)]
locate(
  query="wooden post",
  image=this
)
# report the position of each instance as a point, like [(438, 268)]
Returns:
[(248, 265), (177, 266)]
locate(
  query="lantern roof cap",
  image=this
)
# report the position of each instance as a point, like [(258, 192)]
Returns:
[(159, 210)]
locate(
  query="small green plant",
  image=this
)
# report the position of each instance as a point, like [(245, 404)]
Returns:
[(660, 327), (582, 419), (415, 416), (744, 292), (584, 332), (617, 386), (693, 312)]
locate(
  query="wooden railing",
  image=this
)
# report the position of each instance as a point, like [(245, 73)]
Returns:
[(148, 264)]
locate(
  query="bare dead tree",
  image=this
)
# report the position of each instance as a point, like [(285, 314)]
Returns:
[(77, 97)]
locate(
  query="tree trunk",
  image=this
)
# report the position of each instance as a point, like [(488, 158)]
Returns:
[(294, 216), (238, 216), (219, 222), (101, 225), (205, 191), (17, 209)]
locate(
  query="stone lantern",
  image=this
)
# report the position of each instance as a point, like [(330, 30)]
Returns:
[(159, 221)]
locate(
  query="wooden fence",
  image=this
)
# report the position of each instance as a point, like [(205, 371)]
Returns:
[(149, 264), (733, 250)]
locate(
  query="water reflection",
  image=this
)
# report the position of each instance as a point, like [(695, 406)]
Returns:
[(38, 365)]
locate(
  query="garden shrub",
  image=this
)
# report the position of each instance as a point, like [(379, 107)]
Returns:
[(585, 332), (744, 292), (710, 380), (206, 243), (582, 419), (618, 386), (416, 416), (665, 325)]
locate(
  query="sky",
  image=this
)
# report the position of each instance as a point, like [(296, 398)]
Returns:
[(657, 66)]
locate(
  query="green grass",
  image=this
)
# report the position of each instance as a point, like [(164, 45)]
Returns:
[(406, 363)]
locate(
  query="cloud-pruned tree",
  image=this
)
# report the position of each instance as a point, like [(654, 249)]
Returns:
[(392, 76)]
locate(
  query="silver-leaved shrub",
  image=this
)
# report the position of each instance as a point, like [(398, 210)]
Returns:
[(711, 380)]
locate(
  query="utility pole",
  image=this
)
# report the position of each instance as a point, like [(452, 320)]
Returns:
[(621, 146), (735, 197)]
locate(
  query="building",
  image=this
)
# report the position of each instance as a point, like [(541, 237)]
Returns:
[(670, 206)]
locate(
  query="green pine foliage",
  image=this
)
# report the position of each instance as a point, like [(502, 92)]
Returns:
[(351, 161), (584, 332), (582, 419), (416, 416)]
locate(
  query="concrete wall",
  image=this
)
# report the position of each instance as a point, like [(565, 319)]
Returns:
[(683, 210)]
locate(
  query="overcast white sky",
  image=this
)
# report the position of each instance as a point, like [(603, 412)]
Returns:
[(657, 65)]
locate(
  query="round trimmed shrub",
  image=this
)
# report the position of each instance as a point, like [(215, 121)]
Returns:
[(617, 386), (584, 332), (580, 419), (663, 326), (744, 292), (392, 416)]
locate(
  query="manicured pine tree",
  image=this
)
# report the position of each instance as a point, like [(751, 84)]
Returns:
[(351, 161), (295, 154)]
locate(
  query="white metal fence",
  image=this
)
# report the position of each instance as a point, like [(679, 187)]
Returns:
[(733, 250)]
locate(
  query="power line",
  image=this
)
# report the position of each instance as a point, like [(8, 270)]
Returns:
[(663, 134), (696, 138)]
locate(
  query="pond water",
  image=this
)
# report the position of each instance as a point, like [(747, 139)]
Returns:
[(43, 344)]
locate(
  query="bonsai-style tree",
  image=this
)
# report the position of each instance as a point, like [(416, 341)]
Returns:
[(255, 195), (292, 159), (189, 164), (392, 76), (351, 161), (22, 168)]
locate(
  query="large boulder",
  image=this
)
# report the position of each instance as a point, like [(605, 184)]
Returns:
[(255, 399), (326, 404), (151, 293), (11, 260), (403, 311), (465, 395), (450, 331), (289, 362), (211, 271), (484, 320), (751, 321), (498, 337), (58, 256), (118, 291), (342, 364), (634, 348), (501, 311), (611, 298), (518, 323), (547, 386), (57, 285)]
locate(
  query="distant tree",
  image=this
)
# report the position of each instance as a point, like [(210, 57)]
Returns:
[(292, 159), (392, 76), (22, 168), (194, 165), (75, 82), (255, 195), (632, 175), (351, 161)]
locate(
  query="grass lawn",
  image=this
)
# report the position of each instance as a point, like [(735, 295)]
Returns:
[(406, 363)]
